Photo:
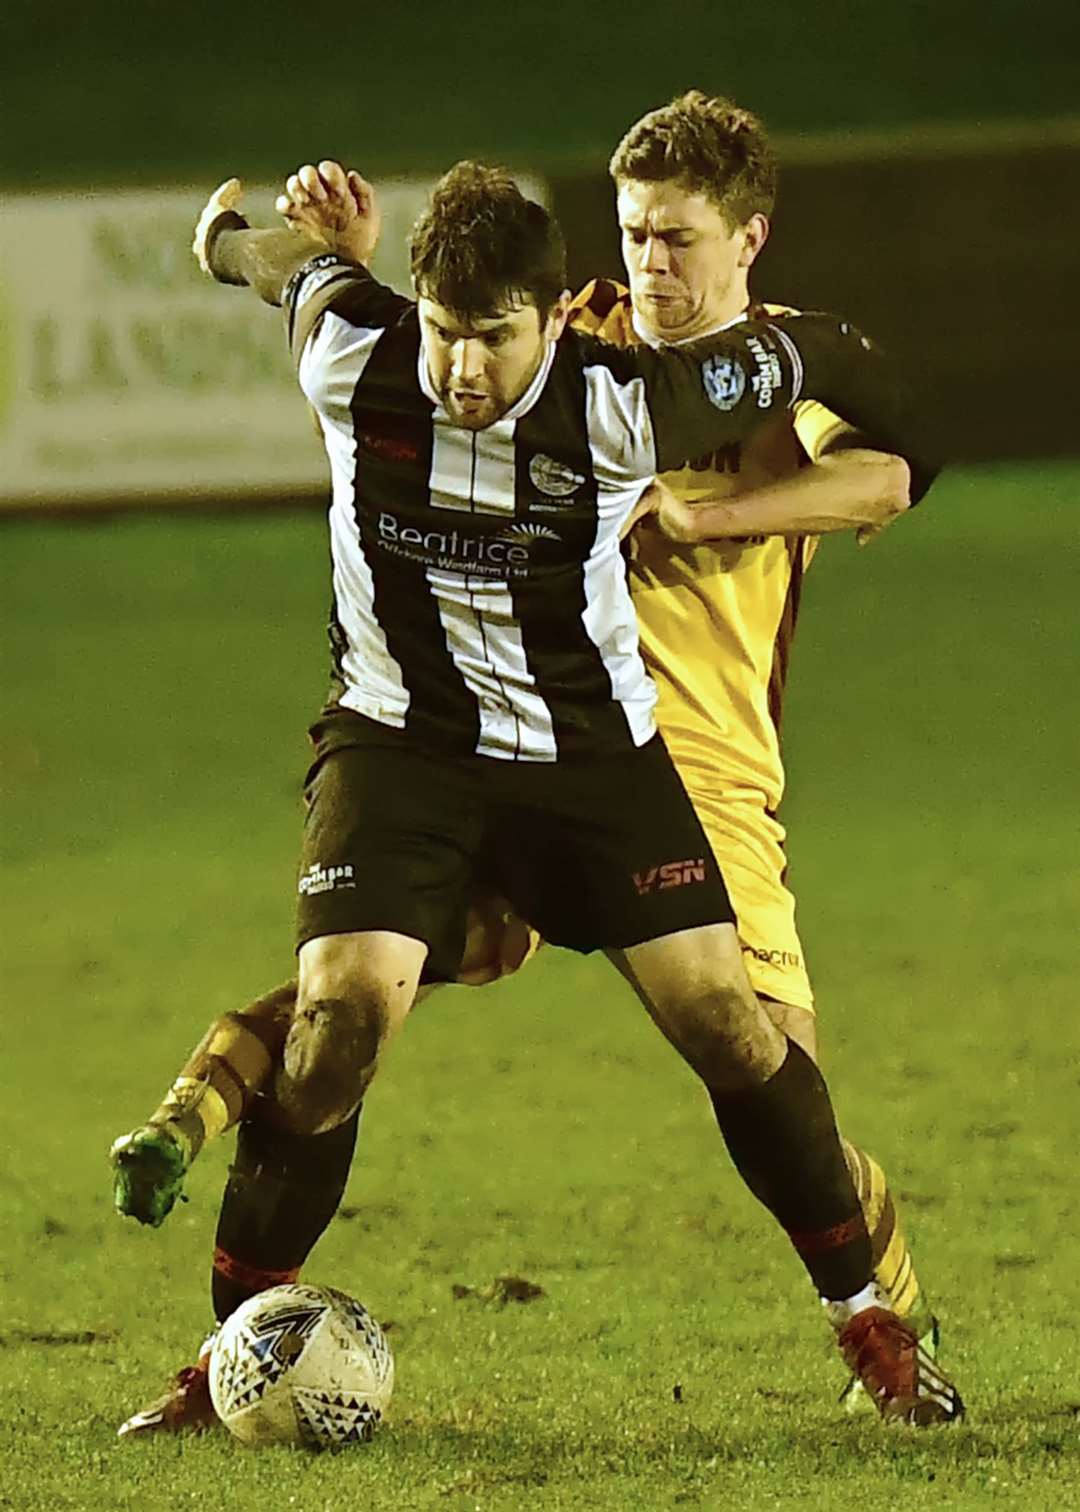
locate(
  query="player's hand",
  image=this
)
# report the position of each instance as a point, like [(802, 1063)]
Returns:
[(225, 197), (669, 514), (335, 205)]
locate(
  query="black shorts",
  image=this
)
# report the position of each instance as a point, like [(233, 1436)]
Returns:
[(595, 855)]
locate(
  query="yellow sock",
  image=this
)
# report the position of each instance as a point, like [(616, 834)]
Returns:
[(894, 1271)]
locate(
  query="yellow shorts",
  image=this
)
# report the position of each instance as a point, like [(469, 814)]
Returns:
[(749, 845)]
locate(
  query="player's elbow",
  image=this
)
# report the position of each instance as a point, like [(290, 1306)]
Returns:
[(895, 483), (876, 481)]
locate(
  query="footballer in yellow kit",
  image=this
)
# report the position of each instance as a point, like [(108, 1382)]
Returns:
[(716, 621)]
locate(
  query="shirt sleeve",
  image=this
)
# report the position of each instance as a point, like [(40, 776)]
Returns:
[(819, 430), (335, 285), (716, 392), (699, 397)]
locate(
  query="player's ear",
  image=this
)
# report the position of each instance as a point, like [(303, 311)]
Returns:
[(558, 315), (755, 235)]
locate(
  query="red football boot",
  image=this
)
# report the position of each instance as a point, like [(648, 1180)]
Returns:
[(185, 1407)]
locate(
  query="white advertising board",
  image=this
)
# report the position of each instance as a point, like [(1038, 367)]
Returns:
[(125, 373)]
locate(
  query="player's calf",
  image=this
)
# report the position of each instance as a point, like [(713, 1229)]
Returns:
[(771, 1104), (283, 1190)]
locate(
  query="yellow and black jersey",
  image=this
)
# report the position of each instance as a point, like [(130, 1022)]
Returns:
[(716, 620)]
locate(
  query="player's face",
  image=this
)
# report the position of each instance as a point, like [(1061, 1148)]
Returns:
[(687, 268), (481, 367)]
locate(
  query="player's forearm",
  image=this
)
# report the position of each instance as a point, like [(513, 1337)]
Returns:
[(264, 260), (852, 489)]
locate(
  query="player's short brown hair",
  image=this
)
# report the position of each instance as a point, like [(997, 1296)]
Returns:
[(710, 145), (481, 246)]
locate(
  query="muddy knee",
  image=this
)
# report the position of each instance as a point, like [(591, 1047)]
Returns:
[(327, 1062), (729, 1041)]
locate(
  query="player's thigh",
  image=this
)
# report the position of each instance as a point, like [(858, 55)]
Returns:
[(354, 993), (498, 942), (389, 844), (690, 964)]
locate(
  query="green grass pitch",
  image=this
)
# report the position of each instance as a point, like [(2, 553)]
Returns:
[(158, 675)]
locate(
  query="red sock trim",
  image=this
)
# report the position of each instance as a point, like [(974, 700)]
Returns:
[(831, 1238), (251, 1275)]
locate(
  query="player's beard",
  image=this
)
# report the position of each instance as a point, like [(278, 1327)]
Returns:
[(476, 409), (473, 411)]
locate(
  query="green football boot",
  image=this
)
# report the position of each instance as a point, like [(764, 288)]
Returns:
[(149, 1166)]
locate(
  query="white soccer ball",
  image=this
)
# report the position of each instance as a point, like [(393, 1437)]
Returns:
[(301, 1365)]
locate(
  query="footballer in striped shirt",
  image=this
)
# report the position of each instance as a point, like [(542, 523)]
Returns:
[(716, 573)]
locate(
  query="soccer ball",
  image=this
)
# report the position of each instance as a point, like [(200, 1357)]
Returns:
[(301, 1365)]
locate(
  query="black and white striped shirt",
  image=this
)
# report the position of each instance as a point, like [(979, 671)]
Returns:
[(480, 594)]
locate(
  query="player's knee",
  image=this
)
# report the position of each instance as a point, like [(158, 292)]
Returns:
[(328, 1060), (725, 1036), (376, 973)]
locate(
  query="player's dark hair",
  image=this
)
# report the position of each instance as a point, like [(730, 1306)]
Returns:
[(481, 246), (710, 145)]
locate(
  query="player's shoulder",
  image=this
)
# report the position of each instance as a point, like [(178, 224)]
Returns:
[(331, 285), (329, 282), (603, 309), (817, 429), (762, 311)]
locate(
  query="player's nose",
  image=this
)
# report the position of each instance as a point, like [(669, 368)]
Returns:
[(655, 257), (466, 360)]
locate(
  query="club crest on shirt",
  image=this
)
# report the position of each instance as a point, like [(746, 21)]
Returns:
[(555, 479), (725, 381)]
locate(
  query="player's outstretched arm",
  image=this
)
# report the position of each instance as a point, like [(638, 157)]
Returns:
[(230, 251)]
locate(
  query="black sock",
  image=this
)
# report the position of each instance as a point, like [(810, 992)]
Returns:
[(782, 1137), (282, 1192)]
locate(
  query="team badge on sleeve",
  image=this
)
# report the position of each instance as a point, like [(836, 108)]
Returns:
[(724, 380)]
